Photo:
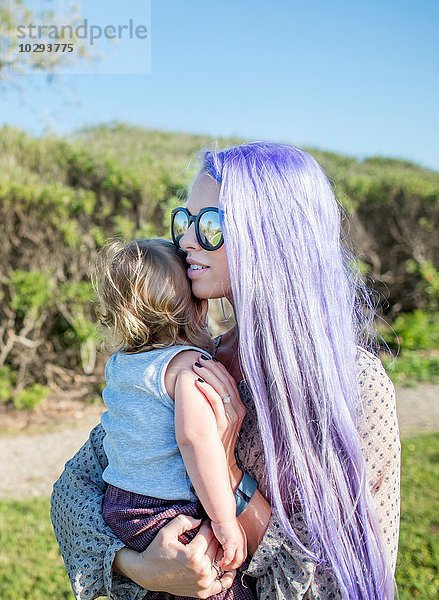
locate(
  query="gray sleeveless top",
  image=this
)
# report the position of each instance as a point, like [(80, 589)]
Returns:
[(143, 455)]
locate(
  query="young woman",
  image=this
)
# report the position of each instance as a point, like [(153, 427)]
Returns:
[(320, 436)]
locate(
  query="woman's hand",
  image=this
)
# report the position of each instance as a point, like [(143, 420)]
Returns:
[(219, 384), (167, 565)]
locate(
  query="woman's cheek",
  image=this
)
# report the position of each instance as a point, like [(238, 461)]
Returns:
[(215, 283)]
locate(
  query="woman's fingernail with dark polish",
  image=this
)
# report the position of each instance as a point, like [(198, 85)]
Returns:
[(214, 359), (205, 357), (200, 380), (197, 364)]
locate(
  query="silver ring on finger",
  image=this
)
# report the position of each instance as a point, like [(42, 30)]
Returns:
[(226, 399), (218, 569)]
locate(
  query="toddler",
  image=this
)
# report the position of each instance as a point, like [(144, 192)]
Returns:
[(165, 456)]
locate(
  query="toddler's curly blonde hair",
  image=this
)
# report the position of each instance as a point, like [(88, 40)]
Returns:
[(145, 299)]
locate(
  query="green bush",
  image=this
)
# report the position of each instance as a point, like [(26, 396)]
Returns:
[(61, 199), (31, 290), (428, 283), (413, 366), (7, 383), (414, 339), (31, 397), (418, 330)]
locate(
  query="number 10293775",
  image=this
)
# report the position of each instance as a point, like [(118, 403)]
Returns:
[(61, 48)]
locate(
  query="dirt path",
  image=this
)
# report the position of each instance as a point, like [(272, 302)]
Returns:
[(31, 462)]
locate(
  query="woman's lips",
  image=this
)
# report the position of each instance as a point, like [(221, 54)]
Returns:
[(193, 273)]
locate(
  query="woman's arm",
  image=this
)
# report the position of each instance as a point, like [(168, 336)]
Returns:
[(255, 517), (87, 544), (90, 549)]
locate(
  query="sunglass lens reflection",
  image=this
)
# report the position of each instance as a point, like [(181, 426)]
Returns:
[(210, 229), (180, 225)]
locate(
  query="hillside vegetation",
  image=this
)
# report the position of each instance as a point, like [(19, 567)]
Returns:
[(60, 199)]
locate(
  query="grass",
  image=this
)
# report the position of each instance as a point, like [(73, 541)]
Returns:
[(30, 564), (418, 561), (31, 567)]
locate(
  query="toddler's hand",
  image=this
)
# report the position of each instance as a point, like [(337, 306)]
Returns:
[(233, 540)]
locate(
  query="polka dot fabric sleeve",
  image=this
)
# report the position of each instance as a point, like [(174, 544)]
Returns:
[(87, 544)]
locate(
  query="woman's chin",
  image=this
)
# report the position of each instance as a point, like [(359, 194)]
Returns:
[(204, 291)]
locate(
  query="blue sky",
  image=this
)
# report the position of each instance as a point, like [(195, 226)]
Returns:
[(358, 78)]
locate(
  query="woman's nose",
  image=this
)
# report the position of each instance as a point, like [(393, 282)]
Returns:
[(188, 240)]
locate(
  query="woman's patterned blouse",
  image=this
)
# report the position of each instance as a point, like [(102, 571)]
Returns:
[(88, 545)]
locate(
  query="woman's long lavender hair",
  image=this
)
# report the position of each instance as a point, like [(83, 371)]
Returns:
[(299, 306)]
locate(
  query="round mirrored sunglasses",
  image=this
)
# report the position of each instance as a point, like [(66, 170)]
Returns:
[(207, 226)]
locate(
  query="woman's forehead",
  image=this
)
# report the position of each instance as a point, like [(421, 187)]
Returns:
[(204, 192)]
